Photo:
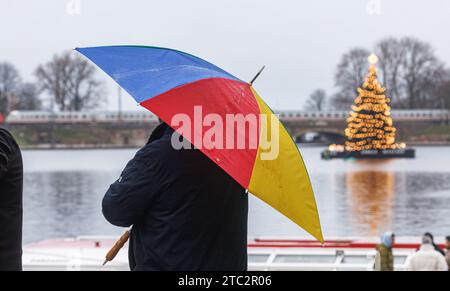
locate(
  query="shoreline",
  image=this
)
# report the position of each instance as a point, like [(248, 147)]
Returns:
[(116, 147)]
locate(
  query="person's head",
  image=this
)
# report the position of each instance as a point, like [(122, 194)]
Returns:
[(427, 234), (388, 239), (447, 242), (426, 240)]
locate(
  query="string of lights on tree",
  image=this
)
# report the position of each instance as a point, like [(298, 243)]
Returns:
[(370, 125)]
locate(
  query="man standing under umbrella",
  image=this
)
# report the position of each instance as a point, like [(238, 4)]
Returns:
[(11, 181), (186, 212)]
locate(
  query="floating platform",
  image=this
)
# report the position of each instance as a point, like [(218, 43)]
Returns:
[(407, 153)]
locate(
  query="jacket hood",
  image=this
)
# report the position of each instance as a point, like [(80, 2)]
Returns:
[(386, 239)]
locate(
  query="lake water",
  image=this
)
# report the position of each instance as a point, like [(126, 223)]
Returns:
[(63, 191)]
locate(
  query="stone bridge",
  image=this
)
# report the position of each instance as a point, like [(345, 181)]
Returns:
[(329, 126)]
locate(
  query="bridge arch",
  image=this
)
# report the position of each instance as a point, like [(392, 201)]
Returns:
[(319, 135)]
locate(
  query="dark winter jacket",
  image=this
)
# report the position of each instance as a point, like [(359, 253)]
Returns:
[(186, 212), (11, 181)]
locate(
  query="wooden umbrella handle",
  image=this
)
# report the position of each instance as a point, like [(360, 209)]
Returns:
[(116, 247)]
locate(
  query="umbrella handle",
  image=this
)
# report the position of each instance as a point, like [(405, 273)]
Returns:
[(117, 247)]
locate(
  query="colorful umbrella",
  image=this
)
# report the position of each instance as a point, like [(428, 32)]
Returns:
[(169, 82)]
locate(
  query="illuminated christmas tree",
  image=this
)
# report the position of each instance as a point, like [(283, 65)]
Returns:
[(370, 125)]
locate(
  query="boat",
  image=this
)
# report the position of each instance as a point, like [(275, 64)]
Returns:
[(87, 253)]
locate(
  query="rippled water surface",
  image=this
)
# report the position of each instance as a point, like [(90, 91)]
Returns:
[(63, 192)]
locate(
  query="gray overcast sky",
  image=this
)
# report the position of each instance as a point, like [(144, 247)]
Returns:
[(299, 41)]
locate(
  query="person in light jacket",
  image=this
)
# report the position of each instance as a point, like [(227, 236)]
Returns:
[(436, 247), (427, 258), (384, 260)]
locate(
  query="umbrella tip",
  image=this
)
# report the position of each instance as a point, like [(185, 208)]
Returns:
[(257, 75)]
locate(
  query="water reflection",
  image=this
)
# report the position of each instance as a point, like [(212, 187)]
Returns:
[(63, 192), (409, 203), (370, 195)]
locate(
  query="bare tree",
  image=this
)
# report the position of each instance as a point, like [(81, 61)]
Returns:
[(316, 100), (350, 74), (391, 54), (444, 95), (10, 81), (70, 81), (438, 88), (410, 71), (419, 63), (27, 98), (408, 67)]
